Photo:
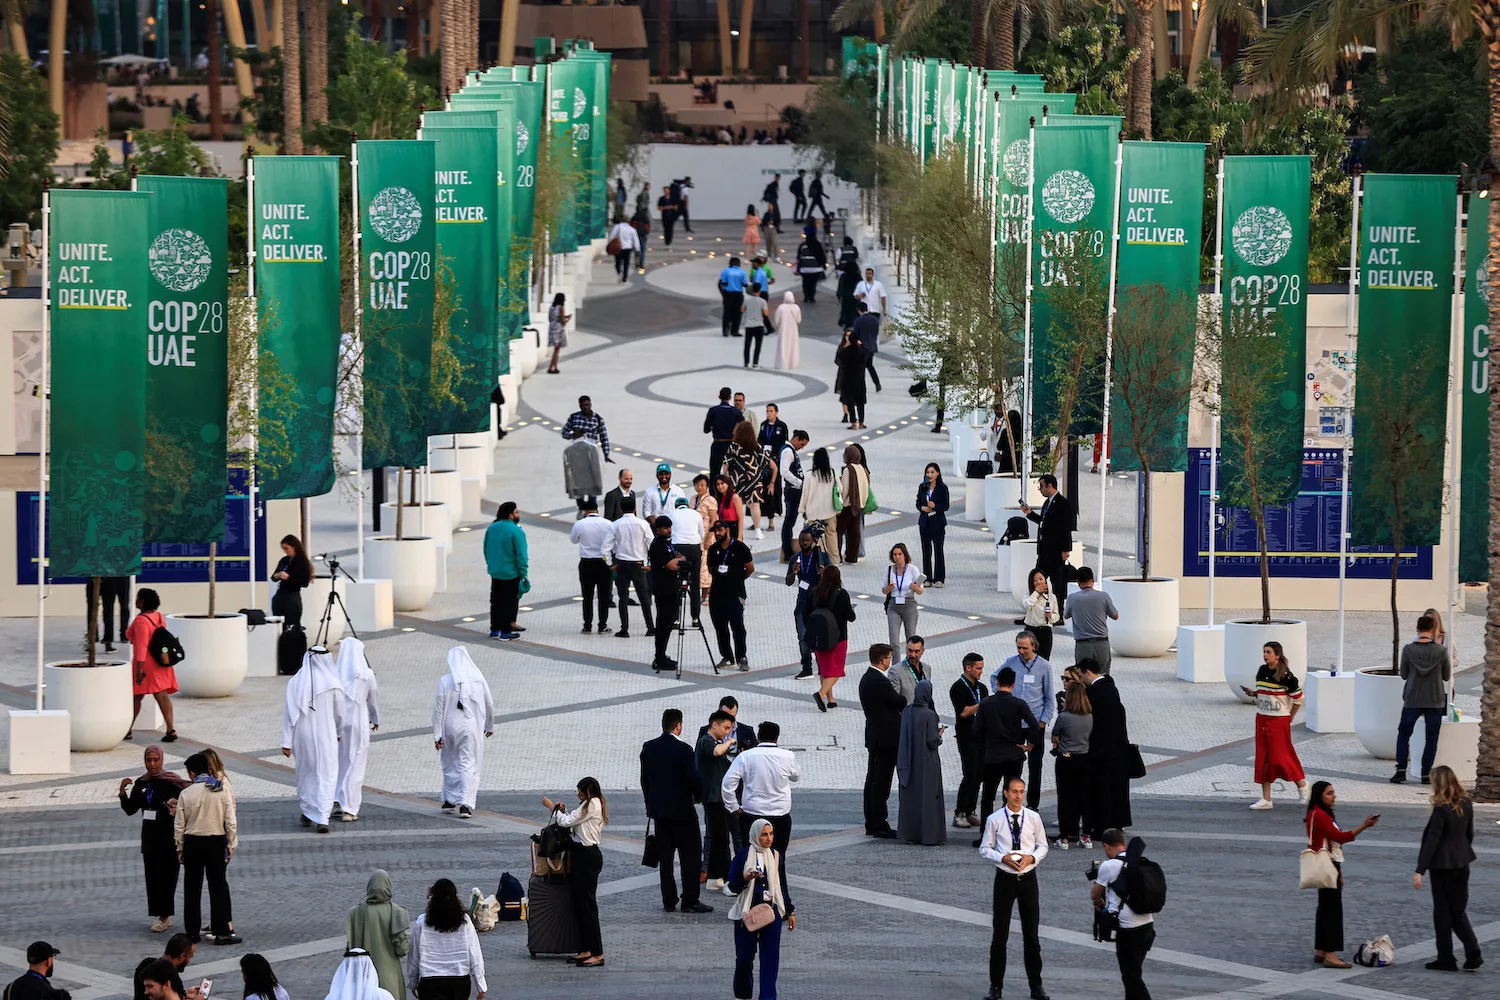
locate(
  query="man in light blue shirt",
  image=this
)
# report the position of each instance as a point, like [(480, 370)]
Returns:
[(1034, 687), (732, 289)]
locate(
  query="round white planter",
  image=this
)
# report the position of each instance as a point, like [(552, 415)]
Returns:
[(98, 699), (447, 488), (315, 602), (1243, 641), (974, 494), (967, 441), (217, 652), (523, 350), (1149, 615), (1002, 495), (411, 566), (485, 442), (1377, 711), (1022, 562), (433, 519), (510, 384)]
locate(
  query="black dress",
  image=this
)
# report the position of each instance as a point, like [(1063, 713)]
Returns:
[(851, 364), (158, 848)]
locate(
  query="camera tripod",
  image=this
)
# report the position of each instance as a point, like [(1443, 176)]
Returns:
[(334, 598), (684, 616)]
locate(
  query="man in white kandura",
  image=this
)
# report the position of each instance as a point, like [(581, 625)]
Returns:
[(356, 978), (361, 718), (310, 734), (463, 716)]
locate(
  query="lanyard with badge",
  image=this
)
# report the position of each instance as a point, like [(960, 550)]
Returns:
[(722, 566), (900, 582), (148, 814), (804, 563)]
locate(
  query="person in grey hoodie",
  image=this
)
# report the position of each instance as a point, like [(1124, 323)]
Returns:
[(1426, 668)]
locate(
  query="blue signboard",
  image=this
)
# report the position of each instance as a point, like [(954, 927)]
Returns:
[(163, 562), (1302, 537)]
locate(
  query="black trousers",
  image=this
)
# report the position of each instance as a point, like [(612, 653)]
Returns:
[(162, 870), (791, 501), (594, 578), (1074, 815), (1328, 924), (505, 603), (687, 223), (668, 221), (626, 574), (729, 624), (717, 820), (880, 771), (1034, 758), (692, 565), (856, 413), (968, 786), (1011, 890), (444, 987), (817, 203), (799, 207), (810, 287), (204, 857), (934, 566), (287, 602), (1450, 904), (666, 623), (1043, 635), (754, 336), (870, 367), (716, 453), (993, 774), (1131, 946), (588, 862), (733, 303), (682, 838), (622, 263), (112, 590)]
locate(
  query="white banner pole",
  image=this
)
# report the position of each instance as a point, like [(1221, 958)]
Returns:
[(1026, 322), (1213, 446), (1349, 306), (44, 391), (1109, 347), (359, 315), (1455, 417)]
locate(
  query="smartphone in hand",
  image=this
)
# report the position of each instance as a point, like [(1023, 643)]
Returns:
[(205, 988)]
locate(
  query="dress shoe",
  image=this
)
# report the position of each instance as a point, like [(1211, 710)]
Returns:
[(993, 994), (1443, 965), (306, 821), (1473, 962), (1039, 994), (322, 827), (698, 908), (622, 634), (669, 907), (230, 938), (886, 834), (802, 673)]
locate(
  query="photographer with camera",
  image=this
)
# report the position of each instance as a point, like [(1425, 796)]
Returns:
[(1134, 933), (667, 583), (730, 565)]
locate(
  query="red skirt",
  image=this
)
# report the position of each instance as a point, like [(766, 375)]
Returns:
[(831, 662), (1275, 757)]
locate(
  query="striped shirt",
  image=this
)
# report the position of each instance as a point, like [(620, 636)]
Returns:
[(1273, 697), (591, 426)]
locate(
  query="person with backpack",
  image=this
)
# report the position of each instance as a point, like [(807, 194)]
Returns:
[(804, 571), (827, 633), (1128, 890), (149, 674)]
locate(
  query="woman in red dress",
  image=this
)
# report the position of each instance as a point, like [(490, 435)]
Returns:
[(1278, 697), (149, 676)]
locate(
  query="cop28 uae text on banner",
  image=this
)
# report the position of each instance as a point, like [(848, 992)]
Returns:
[(187, 383), (295, 218), (1474, 479), (100, 286)]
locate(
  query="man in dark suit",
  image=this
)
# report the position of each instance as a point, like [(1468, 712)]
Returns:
[(882, 705), (1004, 729), (620, 492), (1109, 751), (671, 788), (966, 694), (719, 422), (1054, 534)]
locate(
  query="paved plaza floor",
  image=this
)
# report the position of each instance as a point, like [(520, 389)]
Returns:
[(877, 919)]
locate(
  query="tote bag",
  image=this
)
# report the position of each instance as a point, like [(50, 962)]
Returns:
[(1317, 868)]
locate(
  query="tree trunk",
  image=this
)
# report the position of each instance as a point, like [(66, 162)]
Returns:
[(747, 15), (1487, 787), (277, 19), (726, 41), (1265, 564), (234, 30), (91, 633), (1229, 44), (879, 27), (316, 81), (291, 79), (510, 13), (413, 29), (1188, 33), (400, 503), (1004, 34), (57, 41), (804, 30), (1141, 76), (213, 576), (1383, 34), (664, 70), (1145, 520), (1160, 34), (263, 39), (978, 31), (1395, 579), (1202, 35), (452, 40), (215, 71), (15, 29)]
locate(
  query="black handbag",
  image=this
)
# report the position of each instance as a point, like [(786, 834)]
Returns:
[(978, 468), (649, 857), (1135, 765), (553, 842)]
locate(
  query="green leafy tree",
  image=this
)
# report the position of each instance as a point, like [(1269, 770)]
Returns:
[(1089, 58), (264, 106), (372, 95), (1077, 300), (1424, 105), (838, 126), (27, 155)]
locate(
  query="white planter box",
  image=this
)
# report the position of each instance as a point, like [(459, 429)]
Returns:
[(411, 566), (1002, 493), (1377, 714), (510, 383), (1245, 638), (442, 457), (39, 742), (523, 350), (1200, 654), (967, 442), (260, 648), (370, 607), (1329, 700), (445, 487), (1148, 615), (1458, 748), (974, 490), (99, 701), (485, 442), (473, 492), (314, 601), (1002, 569), (1022, 562), (434, 519), (217, 651)]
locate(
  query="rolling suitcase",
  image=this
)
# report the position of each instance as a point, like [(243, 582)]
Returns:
[(291, 646), (551, 928)]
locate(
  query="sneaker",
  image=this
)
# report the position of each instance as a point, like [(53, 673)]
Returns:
[(508, 636), (604, 630), (1473, 962), (715, 885), (744, 666), (494, 633), (1304, 792), (162, 923), (230, 938), (1426, 779), (758, 535), (464, 812), (1399, 778), (1443, 965), (729, 892), (960, 821), (975, 822), (1086, 842), (725, 663), (447, 805), (804, 672), (622, 634), (1061, 843), (587, 628), (1262, 804), (322, 827)]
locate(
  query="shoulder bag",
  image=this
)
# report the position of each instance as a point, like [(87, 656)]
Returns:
[(1317, 868), (758, 916), (649, 857)]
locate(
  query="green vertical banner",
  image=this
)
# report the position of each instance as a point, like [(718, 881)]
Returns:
[(398, 281), (1010, 151), (584, 103), (295, 220), (1266, 201), (467, 212), (187, 379), (596, 66), (1406, 229), (1161, 231), (1072, 220), (1474, 478), (931, 84), (563, 153), (100, 285)]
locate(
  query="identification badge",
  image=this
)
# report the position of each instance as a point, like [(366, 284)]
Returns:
[(900, 599), (723, 568), (802, 585), (148, 815), (1030, 679)]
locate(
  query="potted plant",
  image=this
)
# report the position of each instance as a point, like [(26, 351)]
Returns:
[(97, 694), (1151, 386)]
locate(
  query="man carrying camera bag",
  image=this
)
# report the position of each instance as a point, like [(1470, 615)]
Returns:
[(1134, 933)]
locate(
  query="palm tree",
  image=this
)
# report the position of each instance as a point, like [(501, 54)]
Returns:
[(215, 72), (665, 20), (992, 24), (1140, 24), (291, 79), (316, 70), (57, 42), (1237, 12), (15, 27)]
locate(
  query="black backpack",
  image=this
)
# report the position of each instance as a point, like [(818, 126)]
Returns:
[(1142, 885), (165, 647), (822, 630)]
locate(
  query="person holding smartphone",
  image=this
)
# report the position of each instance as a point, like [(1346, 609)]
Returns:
[(1323, 830)]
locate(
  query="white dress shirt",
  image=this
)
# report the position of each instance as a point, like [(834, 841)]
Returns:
[(687, 526), (766, 772), (594, 536), (443, 953), (873, 294), (632, 539), (655, 502), (997, 843), (586, 822), (1108, 872), (784, 466)]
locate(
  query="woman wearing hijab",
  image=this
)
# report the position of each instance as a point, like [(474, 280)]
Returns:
[(463, 717), (756, 878), (788, 323), (154, 796), (854, 486), (361, 718), (380, 928), (850, 359), (920, 771), (356, 979)]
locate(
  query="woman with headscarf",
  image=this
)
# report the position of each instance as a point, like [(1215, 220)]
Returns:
[(849, 275), (361, 718), (356, 979), (463, 717), (850, 359), (380, 928), (788, 323), (920, 771), (854, 487), (154, 796), (756, 879), (310, 734)]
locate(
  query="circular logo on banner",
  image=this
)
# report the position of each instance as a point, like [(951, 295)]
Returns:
[(1068, 196), (396, 214), (1262, 235), (180, 259), (523, 138), (1482, 279), (1016, 161), (580, 102)]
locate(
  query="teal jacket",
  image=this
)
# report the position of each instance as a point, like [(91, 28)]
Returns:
[(505, 550)]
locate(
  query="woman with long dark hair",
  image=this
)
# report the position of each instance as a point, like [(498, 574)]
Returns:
[(932, 523), (1447, 851), (749, 470), (849, 274), (260, 981), (850, 359), (557, 328), (818, 490), (830, 594), (587, 823), (1323, 831), (1042, 612), (293, 575), (443, 951), (731, 506), (854, 487), (1278, 697)]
